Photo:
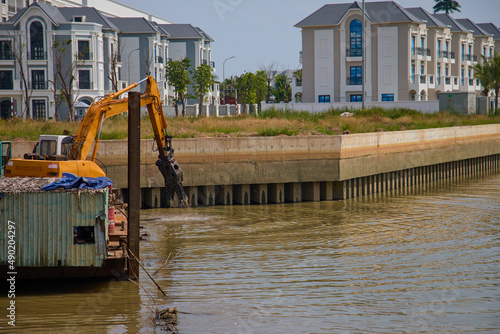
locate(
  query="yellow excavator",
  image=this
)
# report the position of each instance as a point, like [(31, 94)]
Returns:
[(55, 155)]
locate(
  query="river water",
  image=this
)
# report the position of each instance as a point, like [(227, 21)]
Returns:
[(422, 260)]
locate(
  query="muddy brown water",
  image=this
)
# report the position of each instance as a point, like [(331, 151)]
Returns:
[(423, 260)]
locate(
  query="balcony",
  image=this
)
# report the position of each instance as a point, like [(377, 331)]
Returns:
[(356, 81), (354, 52), (37, 55), (420, 53), (446, 56), (85, 85), (38, 85), (7, 85), (212, 64), (447, 81)]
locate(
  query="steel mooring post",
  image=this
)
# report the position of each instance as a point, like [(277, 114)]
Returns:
[(134, 184)]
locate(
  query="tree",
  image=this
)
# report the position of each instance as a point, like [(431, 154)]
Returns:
[(203, 79), (113, 61), (177, 76), (447, 6), (270, 71), (244, 84), (495, 72), (488, 74), (483, 72), (283, 90), (18, 52), (260, 84), (65, 73)]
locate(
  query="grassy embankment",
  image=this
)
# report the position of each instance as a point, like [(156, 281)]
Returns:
[(268, 123)]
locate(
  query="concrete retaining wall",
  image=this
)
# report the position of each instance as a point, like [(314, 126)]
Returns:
[(278, 169)]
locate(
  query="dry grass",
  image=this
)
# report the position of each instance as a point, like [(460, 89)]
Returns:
[(269, 123)]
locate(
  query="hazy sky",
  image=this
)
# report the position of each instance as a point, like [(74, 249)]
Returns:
[(259, 32)]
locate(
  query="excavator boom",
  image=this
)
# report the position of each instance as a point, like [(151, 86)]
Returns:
[(88, 134)]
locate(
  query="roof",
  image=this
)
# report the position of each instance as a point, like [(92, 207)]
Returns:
[(61, 15), (204, 34), (91, 15), (52, 13), (134, 25), (450, 21), (476, 31), (423, 15), (376, 12), (491, 29), (182, 31)]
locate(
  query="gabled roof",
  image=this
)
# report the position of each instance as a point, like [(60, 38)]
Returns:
[(476, 31), (376, 12), (182, 31), (91, 15), (134, 25), (491, 29), (162, 31), (204, 34), (52, 13), (423, 15), (455, 26)]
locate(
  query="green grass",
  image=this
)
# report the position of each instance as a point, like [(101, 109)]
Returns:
[(271, 122)]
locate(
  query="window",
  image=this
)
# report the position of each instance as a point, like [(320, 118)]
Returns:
[(387, 97), (38, 109), (412, 45), (84, 79), (324, 99), (356, 75), (84, 50), (463, 51), (6, 80), (37, 51), (83, 235), (439, 48), (357, 98), (38, 79), (5, 50), (78, 18), (438, 77), (355, 29)]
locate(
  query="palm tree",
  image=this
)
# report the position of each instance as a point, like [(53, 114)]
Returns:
[(484, 73), (495, 72), (447, 6)]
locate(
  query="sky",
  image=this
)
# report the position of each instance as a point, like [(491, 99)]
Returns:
[(261, 32)]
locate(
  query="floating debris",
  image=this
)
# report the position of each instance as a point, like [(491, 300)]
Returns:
[(167, 318)]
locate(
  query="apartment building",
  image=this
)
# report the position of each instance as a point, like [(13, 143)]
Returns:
[(494, 31), (187, 41), (411, 54), (26, 44), (106, 53)]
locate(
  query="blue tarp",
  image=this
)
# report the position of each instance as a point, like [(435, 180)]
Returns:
[(70, 181)]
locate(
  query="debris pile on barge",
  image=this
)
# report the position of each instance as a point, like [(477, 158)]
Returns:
[(62, 233)]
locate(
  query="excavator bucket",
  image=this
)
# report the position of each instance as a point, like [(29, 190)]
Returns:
[(172, 174)]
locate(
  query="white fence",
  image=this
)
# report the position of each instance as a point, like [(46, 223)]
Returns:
[(423, 106), (212, 110)]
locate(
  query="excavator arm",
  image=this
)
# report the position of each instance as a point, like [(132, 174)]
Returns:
[(88, 133)]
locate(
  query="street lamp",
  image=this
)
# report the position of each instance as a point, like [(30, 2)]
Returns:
[(128, 63), (224, 76)]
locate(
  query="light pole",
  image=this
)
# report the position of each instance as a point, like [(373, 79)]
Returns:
[(224, 76), (128, 63)]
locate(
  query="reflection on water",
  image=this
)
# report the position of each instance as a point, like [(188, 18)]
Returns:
[(426, 261)]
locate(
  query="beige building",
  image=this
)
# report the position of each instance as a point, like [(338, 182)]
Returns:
[(411, 55)]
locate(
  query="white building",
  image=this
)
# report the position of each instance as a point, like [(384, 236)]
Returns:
[(410, 53)]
